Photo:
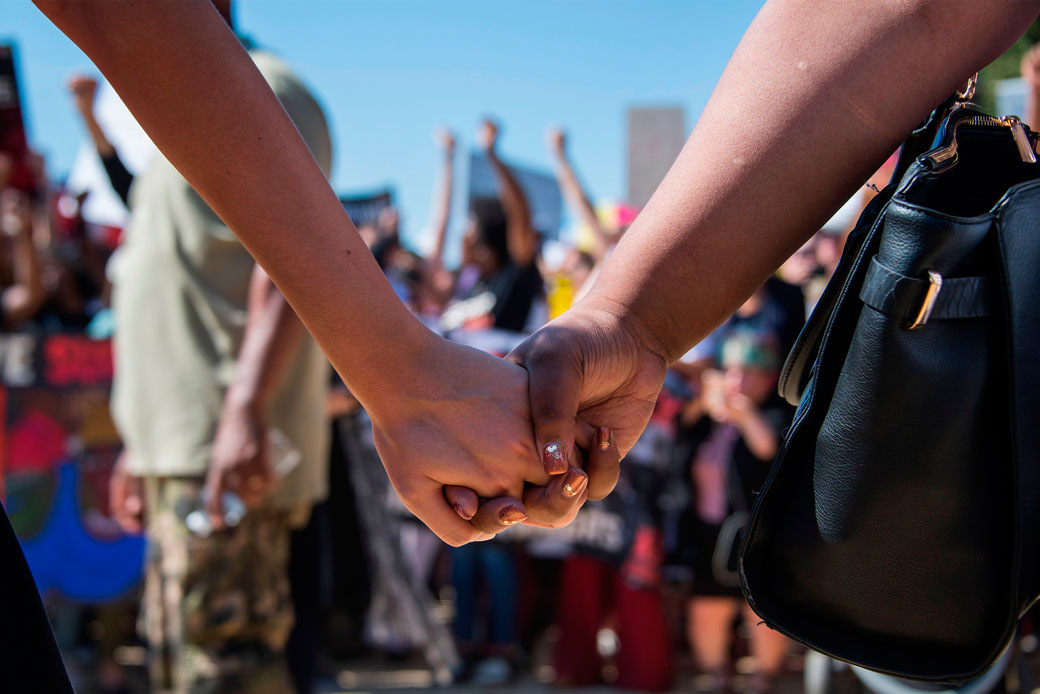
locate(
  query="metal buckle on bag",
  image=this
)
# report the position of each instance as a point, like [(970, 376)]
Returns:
[(935, 281)]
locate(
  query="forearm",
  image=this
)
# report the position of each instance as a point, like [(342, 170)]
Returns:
[(213, 116), (805, 111), (575, 196), (1032, 114), (442, 211), (22, 299), (273, 335), (759, 435), (520, 237), (97, 135)]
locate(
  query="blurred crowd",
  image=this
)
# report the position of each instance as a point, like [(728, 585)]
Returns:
[(640, 592)]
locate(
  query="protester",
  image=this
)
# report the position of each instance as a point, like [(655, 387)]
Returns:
[(731, 434), (211, 364), (23, 291), (499, 251)]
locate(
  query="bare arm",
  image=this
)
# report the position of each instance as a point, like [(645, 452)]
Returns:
[(817, 107), (84, 90), (1031, 76), (272, 336), (21, 300), (180, 70), (442, 199), (808, 107), (520, 236), (575, 195)]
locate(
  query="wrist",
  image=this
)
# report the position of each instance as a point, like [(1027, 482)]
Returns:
[(626, 318), (244, 398), (415, 359)]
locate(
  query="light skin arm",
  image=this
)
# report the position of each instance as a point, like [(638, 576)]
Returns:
[(184, 76), (21, 300), (520, 236), (1031, 75), (575, 195), (442, 198), (438, 280), (84, 90)]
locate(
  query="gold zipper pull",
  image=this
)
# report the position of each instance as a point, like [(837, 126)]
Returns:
[(1025, 147)]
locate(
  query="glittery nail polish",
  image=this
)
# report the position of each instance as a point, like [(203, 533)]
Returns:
[(603, 438), (554, 458), (574, 483), (511, 516)]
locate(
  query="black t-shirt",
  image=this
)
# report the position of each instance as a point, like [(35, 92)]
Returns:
[(515, 289), (747, 472)]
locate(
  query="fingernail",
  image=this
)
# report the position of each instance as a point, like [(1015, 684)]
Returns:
[(554, 458), (575, 482), (511, 516), (603, 438), (462, 512)]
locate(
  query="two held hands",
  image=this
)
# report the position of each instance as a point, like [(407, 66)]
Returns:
[(465, 462)]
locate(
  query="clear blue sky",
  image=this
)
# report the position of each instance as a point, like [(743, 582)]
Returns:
[(389, 72)]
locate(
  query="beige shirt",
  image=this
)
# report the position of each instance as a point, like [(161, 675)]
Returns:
[(180, 304)]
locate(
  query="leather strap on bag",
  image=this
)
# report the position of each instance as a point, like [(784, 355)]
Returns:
[(903, 297)]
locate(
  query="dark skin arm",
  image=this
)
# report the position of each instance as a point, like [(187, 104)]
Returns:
[(817, 108), (520, 236), (240, 461), (575, 194)]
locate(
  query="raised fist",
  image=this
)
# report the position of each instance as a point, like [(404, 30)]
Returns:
[(487, 136), (445, 139), (557, 140), (83, 89)]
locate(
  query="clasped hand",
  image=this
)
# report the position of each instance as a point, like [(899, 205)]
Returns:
[(478, 444)]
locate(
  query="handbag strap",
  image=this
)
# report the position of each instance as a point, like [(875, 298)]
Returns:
[(909, 298)]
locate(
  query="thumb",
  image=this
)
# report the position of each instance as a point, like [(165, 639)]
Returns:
[(554, 385)]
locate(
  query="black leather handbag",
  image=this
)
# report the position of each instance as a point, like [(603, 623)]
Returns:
[(898, 529)]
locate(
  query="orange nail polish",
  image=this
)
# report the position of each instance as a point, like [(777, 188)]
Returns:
[(575, 482), (511, 516), (603, 438)]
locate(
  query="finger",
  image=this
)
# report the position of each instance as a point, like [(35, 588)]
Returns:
[(213, 492), (444, 522), (603, 464), (496, 515), (464, 500), (556, 504), (555, 382)]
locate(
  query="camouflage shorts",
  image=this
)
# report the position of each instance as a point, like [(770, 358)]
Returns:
[(216, 611)]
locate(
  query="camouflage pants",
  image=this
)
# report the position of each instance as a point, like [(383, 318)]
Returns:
[(216, 611)]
